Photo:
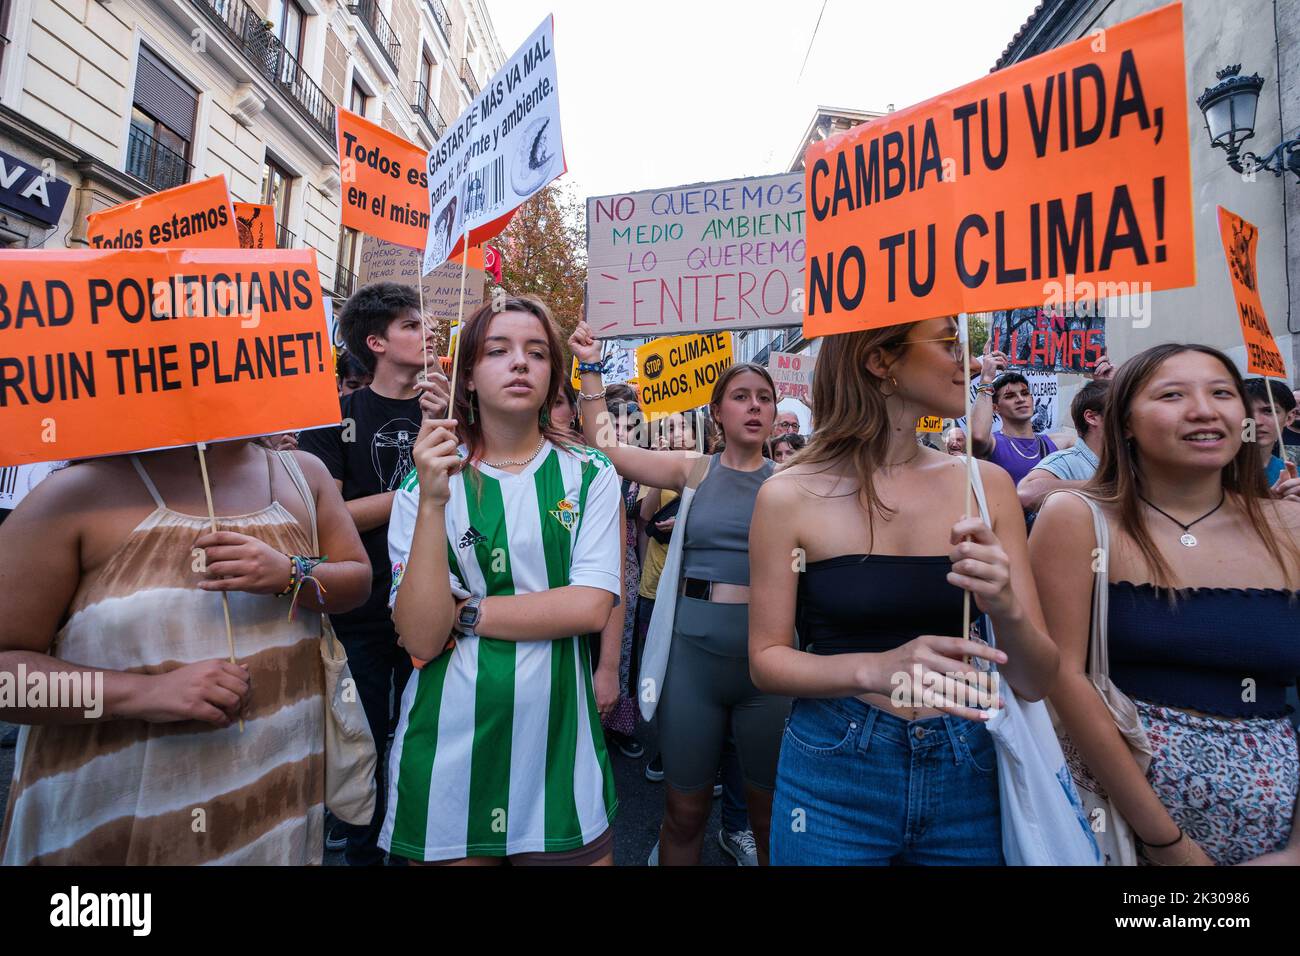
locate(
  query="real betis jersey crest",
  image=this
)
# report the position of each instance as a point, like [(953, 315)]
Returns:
[(566, 513)]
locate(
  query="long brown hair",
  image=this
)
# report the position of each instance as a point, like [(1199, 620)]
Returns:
[(852, 418), (1118, 479), (472, 335), (719, 441)]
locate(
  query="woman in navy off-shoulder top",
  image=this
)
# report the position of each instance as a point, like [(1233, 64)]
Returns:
[(1204, 617)]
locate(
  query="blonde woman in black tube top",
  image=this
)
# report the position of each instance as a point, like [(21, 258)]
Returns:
[(859, 552)]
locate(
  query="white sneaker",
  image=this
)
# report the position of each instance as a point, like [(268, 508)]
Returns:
[(654, 856), (740, 846)]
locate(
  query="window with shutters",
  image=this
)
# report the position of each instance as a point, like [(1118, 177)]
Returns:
[(162, 124), (345, 273), (291, 27), (357, 99), (277, 187)]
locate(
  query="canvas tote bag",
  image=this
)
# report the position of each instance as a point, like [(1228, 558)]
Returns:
[(1114, 836)]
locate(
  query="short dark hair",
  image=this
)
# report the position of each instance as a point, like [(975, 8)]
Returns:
[(796, 442), (1005, 379), (620, 392), (630, 413), (1257, 390), (370, 311), (1090, 398), (349, 366)]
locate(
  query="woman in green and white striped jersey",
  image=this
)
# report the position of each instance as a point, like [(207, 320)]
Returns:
[(499, 751)]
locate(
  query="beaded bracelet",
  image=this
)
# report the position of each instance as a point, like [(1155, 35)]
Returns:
[(300, 572), (293, 578), (602, 366), (594, 396)]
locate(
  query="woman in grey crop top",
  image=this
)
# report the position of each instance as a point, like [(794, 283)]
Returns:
[(707, 687)]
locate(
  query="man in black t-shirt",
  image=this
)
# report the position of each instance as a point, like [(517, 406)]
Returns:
[(369, 455)]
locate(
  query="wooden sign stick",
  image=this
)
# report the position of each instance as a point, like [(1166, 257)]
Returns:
[(460, 323), (963, 333), (225, 595)]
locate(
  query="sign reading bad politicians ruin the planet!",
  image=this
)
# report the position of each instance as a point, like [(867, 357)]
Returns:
[(1240, 239), (1073, 163), (504, 148), (726, 255), (678, 373), (103, 352), (1049, 340), (385, 188), (193, 216)]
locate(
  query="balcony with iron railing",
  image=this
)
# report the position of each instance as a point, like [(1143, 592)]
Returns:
[(440, 17), (423, 105), (467, 77), (149, 160), (345, 281), (245, 28), (369, 13), (284, 239)]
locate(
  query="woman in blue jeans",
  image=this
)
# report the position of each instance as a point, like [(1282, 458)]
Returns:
[(859, 546)]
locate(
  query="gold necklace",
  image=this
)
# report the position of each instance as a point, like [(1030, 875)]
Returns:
[(527, 461)]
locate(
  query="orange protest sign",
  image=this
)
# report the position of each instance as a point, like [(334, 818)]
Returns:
[(385, 187), (475, 259), (256, 225), (1062, 178), (194, 216), (109, 351), (1239, 241)]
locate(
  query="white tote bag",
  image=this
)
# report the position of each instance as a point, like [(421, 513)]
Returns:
[(659, 636), (1043, 821)]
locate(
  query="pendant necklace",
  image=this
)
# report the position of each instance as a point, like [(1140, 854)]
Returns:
[(1188, 539)]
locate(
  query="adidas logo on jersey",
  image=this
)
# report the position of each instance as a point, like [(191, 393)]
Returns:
[(566, 513), (470, 538)]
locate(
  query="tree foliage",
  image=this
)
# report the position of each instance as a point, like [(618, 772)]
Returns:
[(544, 254)]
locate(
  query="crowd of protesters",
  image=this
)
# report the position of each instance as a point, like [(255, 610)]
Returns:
[(523, 572)]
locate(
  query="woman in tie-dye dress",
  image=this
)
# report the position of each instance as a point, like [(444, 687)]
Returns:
[(109, 569)]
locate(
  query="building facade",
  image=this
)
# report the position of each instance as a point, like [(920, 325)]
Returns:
[(120, 98), (755, 345), (1263, 36)]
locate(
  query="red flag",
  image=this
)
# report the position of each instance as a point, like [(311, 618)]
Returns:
[(492, 263)]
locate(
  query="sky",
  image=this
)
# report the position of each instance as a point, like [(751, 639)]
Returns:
[(657, 93)]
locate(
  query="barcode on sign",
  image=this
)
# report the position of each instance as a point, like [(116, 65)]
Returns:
[(8, 481), (485, 190)]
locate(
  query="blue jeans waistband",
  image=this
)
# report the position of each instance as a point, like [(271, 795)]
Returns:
[(879, 724)]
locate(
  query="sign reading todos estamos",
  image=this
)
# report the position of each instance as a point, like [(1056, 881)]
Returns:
[(104, 352), (678, 373), (384, 185), (193, 216), (1074, 163)]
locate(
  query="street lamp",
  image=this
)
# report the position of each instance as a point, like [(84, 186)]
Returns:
[(1229, 108)]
